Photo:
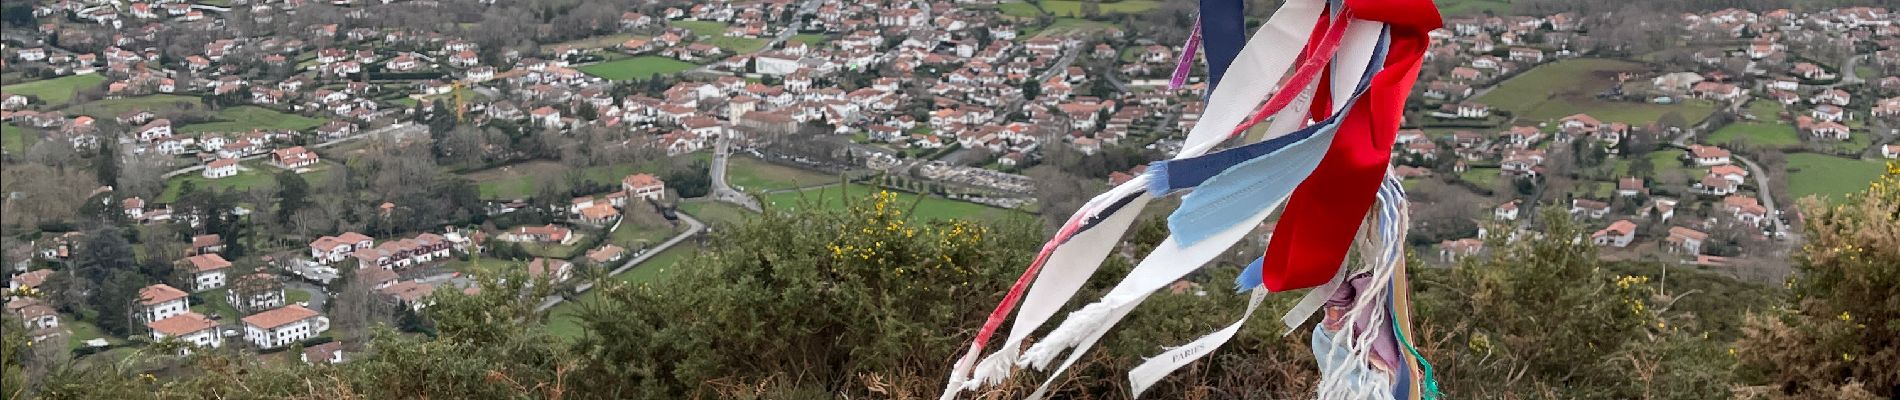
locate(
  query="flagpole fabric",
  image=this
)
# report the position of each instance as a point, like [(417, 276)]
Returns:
[(1237, 189), (1258, 179), (1228, 105), (1224, 32), (1314, 231)]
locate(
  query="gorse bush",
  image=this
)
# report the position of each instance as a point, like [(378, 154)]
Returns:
[(1840, 336), (866, 302)]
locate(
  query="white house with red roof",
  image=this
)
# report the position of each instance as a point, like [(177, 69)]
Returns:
[(1708, 155), (329, 249), (221, 168), (643, 186), (189, 328), (1618, 234), (294, 157), (1685, 240), (282, 326), (157, 129), (161, 301), (207, 271)]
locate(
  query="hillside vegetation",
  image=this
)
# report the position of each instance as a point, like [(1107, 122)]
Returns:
[(867, 301)]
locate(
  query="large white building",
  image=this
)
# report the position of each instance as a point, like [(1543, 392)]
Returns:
[(283, 326), (190, 328), (207, 271), (161, 301)]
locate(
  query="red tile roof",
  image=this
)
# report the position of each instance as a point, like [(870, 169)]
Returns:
[(182, 324), (159, 294), (279, 317)]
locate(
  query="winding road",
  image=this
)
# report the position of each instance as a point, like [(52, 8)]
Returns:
[(721, 190), (693, 227)]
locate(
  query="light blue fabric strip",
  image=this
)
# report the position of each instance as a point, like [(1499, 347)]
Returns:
[(1263, 181)]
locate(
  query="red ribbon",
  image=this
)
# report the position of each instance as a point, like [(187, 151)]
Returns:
[(1323, 214)]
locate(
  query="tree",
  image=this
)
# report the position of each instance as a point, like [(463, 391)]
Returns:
[(114, 300), (1836, 337), (1641, 167), (105, 165), (1502, 310), (292, 194)]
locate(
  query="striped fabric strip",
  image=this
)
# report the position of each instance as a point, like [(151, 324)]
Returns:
[(1173, 258), (1053, 287), (1316, 230), (1257, 174), (1186, 64), (1367, 331)]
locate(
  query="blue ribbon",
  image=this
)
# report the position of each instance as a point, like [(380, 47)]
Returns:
[(1233, 184), (1223, 33)]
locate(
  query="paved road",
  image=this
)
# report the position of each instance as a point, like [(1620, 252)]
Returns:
[(318, 297), (1848, 77), (693, 227), (1058, 67), (722, 191), (1766, 193), (404, 126)]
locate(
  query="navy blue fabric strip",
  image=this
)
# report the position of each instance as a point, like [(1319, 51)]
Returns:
[(1190, 172), (1223, 33), (1108, 211)]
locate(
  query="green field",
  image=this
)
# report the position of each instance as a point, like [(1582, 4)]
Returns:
[(296, 296), (1018, 9), (714, 33), (1757, 133), (1832, 177), (1482, 177), (637, 236), (522, 180), (1764, 110), (932, 207), (14, 138), (1563, 88), (751, 175), (562, 320), (811, 39), (157, 103), (737, 44), (250, 174), (1665, 160), (556, 250), (595, 42), (83, 331), (637, 68), (702, 28), (247, 118), (212, 304), (713, 212), (490, 266), (55, 91), (1069, 27), (1073, 8), (1469, 7)]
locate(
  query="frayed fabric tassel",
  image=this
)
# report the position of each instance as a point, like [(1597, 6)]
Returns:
[(993, 369), (1157, 174), (1080, 323)]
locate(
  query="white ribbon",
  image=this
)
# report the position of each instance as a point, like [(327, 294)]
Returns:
[(1263, 58), (1169, 261)]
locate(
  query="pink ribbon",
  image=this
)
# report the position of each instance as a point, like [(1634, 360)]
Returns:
[(1186, 62)]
